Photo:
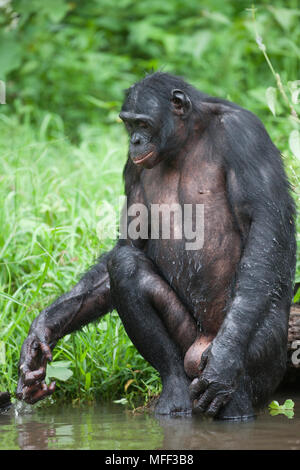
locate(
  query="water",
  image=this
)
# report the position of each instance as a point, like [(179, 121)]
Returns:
[(113, 428)]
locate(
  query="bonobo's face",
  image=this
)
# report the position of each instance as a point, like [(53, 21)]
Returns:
[(151, 125), (143, 124)]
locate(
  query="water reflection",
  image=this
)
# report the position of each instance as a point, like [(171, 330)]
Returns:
[(114, 428), (197, 433)]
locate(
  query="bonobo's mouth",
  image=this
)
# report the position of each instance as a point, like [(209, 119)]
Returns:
[(142, 158)]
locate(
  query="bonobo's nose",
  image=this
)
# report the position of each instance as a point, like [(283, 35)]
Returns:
[(135, 139)]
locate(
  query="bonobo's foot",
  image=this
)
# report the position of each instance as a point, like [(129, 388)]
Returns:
[(175, 397)]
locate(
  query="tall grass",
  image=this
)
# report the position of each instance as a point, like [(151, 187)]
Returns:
[(53, 194), (50, 195)]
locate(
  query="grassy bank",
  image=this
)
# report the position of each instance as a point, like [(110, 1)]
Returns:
[(52, 196)]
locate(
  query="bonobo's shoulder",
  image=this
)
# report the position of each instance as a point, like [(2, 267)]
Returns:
[(231, 115)]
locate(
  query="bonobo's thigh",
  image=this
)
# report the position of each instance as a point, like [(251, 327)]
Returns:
[(136, 285), (155, 320)]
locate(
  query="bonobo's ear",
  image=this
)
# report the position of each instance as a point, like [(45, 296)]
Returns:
[(182, 105)]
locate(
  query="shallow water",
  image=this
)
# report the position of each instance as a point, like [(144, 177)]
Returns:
[(113, 428)]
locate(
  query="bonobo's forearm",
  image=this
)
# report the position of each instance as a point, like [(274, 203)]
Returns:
[(87, 301), (263, 277)]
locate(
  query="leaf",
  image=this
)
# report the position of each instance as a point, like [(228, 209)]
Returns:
[(216, 16), (102, 325), (55, 10), (128, 383), (122, 401), (100, 103), (10, 53), (284, 16), (274, 412), (286, 408), (288, 404), (274, 405), (87, 381), (294, 142), (2, 352), (297, 296), (59, 370), (288, 413), (271, 99)]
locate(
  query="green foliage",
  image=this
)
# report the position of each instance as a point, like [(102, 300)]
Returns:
[(74, 59), (287, 408), (59, 370), (49, 219)]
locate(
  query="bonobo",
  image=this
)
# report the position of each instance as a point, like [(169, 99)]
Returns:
[(213, 318)]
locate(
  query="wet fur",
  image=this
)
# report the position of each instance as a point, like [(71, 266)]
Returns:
[(233, 294)]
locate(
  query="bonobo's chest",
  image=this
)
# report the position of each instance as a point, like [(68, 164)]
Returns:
[(195, 181), (197, 245)]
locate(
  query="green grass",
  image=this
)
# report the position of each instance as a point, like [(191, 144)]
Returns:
[(70, 66), (51, 194)]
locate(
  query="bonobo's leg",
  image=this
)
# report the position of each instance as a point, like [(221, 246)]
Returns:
[(88, 300), (156, 321), (264, 369)]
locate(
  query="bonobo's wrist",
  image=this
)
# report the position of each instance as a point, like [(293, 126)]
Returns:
[(232, 340), (228, 355), (42, 333)]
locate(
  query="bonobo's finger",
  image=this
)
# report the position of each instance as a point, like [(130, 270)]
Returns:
[(217, 403), (31, 377), (204, 401), (41, 393), (19, 391), (46, 351), (203, 362), (29, 390), (197, 387), (204, 358), (27, 378)]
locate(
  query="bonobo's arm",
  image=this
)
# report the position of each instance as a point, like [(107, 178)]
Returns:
[(258, 194), (87, 301)]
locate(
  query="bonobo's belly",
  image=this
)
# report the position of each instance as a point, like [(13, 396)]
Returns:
[(202, 277)]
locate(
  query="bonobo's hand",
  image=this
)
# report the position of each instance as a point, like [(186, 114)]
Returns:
[(32, 370), (218, 373)]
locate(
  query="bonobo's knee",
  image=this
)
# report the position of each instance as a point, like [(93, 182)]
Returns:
[(127, 264), (122, 263)]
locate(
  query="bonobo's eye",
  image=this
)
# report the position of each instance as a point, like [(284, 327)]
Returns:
[(143, 124)]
